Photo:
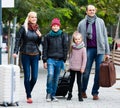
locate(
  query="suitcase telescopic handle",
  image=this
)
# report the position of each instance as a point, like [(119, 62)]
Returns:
[(64, 74)]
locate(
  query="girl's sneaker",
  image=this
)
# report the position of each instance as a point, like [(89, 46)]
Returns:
[(69, 96), (80, 99)]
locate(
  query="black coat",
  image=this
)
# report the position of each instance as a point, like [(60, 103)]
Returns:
[(55, 47), (27, 42)]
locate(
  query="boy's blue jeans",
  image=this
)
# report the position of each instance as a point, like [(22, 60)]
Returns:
[(53, 68), (30, 67), (91, 57)]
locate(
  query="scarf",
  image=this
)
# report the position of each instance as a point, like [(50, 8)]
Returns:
[(90, 21), (58, 33), (33, 27), (79, 46)]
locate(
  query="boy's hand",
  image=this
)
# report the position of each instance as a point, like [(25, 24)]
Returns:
[(45, 65)]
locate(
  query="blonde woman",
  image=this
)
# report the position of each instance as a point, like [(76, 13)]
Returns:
[(28, 39), (77, 63)]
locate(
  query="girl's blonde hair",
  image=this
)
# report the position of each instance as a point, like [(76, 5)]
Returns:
[(75, 34), (27, 20)]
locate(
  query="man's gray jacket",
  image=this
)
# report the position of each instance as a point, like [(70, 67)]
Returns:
[(101, 35)]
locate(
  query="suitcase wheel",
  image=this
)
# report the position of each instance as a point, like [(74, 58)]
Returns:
[(17, 104), (5, 104)]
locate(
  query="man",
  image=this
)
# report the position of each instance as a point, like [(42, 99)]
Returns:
[(94, 35)]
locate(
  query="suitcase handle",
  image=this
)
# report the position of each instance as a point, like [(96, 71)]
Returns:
[(64, 74), (107, 59)]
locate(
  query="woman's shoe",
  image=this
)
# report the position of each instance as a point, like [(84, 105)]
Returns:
[(29, 100), (69, 96)]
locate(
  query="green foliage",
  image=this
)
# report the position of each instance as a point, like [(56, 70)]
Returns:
[(107, 9), (70, 12), (110, 40)]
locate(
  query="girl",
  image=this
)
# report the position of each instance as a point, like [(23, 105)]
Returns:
[(77, 63)]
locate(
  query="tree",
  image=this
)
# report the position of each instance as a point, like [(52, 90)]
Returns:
[(107, 10), (70, 12)]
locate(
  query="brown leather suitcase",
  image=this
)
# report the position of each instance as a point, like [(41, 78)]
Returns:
[(107, 75)]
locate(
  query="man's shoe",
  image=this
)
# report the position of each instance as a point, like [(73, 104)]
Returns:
[(54, 99), (48, 98), (29, 100), (95, 97), (84, 95)]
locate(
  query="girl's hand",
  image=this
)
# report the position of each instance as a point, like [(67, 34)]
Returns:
[(81, 70)]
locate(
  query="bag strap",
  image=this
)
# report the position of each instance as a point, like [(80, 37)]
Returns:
[(37, 47)]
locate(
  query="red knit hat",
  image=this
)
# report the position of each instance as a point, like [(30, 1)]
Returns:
[(55, 21)]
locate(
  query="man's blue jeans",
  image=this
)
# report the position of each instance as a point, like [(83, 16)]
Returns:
[(54, 68), (91, 57), (30, 67)]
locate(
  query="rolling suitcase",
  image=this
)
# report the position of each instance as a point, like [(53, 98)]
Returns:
[(107, 76), (9, 84), (63, 85)]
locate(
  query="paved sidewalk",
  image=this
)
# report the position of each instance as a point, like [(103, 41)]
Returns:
[(109, 97)]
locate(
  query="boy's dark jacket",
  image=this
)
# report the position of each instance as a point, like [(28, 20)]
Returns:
[(55, 47)]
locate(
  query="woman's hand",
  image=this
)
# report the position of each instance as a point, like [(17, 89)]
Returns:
[(14, 55), (38, 33)]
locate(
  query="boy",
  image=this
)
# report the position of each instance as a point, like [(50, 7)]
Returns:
[(54, 54)]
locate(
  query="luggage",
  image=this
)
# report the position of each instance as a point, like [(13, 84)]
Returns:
[(9, 84), (63, 85), (107, 76)]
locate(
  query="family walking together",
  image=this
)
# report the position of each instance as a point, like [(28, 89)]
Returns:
[(89, 44)]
